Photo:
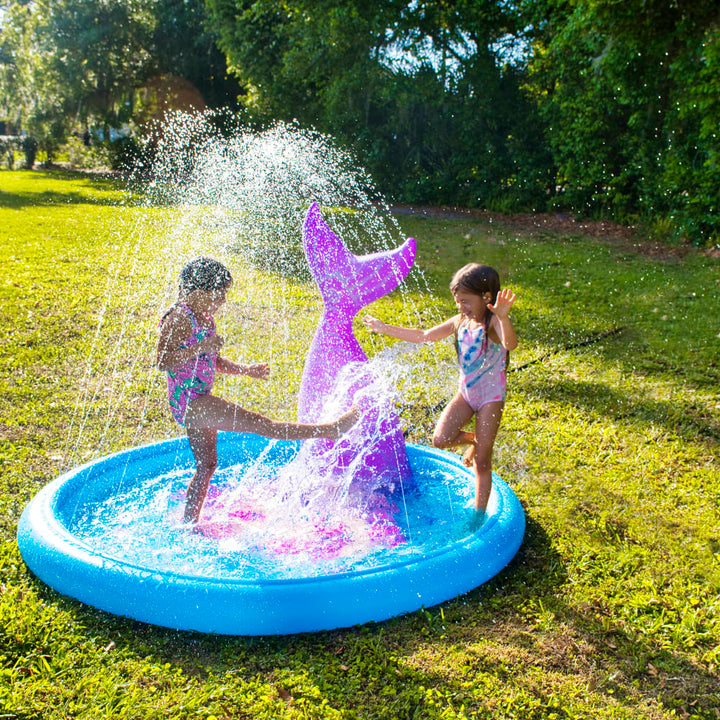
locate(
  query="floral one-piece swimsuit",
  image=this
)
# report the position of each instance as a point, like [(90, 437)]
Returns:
[(195, 377)]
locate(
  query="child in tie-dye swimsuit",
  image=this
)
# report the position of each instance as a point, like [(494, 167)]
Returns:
[(188, 351), (484, 335)]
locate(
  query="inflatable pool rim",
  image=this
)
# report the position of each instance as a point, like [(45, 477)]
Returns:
[(251, 606)]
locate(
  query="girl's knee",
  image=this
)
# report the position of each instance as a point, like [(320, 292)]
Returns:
[(440, 441), (207, 467)]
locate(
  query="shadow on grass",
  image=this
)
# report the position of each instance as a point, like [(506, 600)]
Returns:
[(86, 189), (687, 420), (17, 200), (638, 349)]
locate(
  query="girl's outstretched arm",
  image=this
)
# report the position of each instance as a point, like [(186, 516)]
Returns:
[(414, 335), (259, 371), (501, 322)]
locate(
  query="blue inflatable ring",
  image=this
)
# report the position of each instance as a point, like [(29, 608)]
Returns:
[(250, 607)]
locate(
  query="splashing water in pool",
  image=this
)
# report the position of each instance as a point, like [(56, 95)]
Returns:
[(282, 513)]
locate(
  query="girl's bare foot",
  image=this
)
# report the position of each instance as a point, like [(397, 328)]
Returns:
[(468, 457)]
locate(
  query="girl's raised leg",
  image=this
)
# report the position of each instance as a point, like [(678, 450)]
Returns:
[(207, 414), (449, 429), (203, 444), (487, 422), (210, 412)]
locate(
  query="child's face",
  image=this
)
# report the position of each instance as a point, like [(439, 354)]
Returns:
[(213, 300), (472, 306)]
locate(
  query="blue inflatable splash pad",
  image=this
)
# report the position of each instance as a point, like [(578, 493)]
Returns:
[(108, 534)]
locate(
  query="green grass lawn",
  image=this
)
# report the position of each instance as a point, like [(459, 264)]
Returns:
[(611, 609)]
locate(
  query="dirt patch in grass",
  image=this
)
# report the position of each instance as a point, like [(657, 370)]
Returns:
[(627, 236)]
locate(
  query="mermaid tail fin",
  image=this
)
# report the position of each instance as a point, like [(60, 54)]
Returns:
[(346, 281)]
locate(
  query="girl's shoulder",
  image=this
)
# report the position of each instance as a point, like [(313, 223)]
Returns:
[(176, 318)]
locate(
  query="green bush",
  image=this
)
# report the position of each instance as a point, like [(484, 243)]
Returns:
[(30, 148), (9, 144), (127, 154), (7, 149), (86, 156), (628, 97)]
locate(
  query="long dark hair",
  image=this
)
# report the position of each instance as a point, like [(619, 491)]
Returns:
[(478, 280)]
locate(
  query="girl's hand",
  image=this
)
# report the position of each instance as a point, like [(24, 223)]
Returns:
[(503, 303), (258, 371), (372, 323)]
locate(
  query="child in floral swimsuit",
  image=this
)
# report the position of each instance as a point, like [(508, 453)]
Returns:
[(189, 352), (195, 377)]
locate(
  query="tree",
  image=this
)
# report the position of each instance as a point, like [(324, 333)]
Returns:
[(67, 63), (70, 60), (628, 93), (417, 89), (184, 45)]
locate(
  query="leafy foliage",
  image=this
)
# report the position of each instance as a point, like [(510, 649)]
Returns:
[(70, 60), (628, 92), (609, 111), (69, 64), (451, 127), (593, 107), (183, 45), (9, 144)]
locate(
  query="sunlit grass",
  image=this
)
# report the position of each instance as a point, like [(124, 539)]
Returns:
[(611, 608)]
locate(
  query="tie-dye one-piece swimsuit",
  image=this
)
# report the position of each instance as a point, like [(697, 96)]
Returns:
[(482, 367), (196, 376)]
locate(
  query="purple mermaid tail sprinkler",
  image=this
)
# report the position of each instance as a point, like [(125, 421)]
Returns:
[(374, 449)]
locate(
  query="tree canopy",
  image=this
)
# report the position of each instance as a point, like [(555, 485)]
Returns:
[(596, 107), (417, 89), (65, 63)]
